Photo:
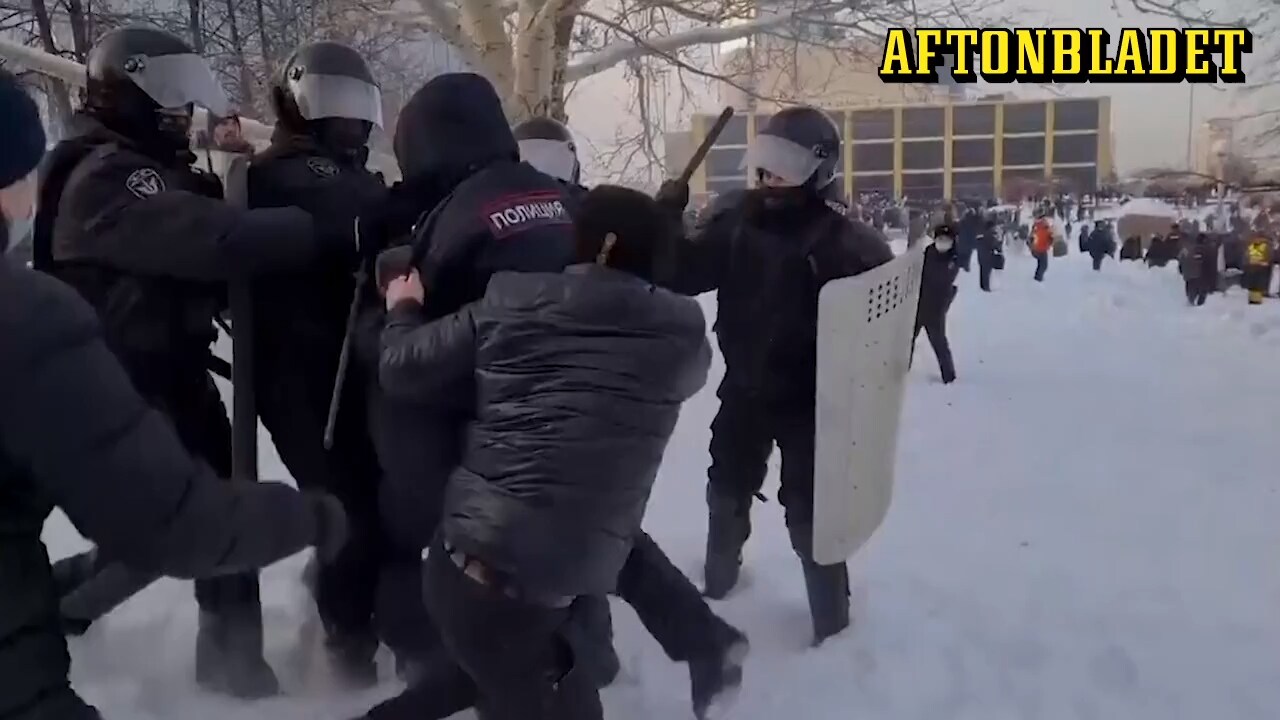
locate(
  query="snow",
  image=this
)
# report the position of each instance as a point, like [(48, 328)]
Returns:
[(1148, 206), (1084, 528)]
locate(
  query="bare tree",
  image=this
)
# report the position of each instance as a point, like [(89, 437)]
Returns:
[(532, 50)]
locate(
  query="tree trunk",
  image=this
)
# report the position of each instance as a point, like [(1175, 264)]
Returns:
[(78, 19), (56, 90), (556, 99), (195, 27), (268, 55), (246, 99)]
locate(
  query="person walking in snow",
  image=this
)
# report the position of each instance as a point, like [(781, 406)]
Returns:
[(989, 254), (1101, 244), (937, 291), (1041, 246), (1197, 262)]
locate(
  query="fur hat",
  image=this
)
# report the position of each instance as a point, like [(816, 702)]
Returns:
[(623, 229)]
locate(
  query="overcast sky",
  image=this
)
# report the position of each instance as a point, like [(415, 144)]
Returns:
[(1150, 120)]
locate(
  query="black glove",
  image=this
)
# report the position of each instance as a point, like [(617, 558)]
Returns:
[(673, 196), (332, 528), (208, 184)]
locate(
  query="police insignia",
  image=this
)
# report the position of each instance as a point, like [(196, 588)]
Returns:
[(322, 167), (517, 213), (144, 183)]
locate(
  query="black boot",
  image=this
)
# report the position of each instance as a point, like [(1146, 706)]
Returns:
[(826, 585), (715, 678), (727, 531), (229, 657), (828, 588), (352, 658), (590, 633)]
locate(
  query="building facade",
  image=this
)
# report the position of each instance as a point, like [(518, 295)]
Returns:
[(943, 150)]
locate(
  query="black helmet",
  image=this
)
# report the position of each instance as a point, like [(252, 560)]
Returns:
[(326, 89), (799, 145), (143, 81), (548, 145)]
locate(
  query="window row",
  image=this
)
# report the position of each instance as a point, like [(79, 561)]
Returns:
[(974, 152), (926, 122)]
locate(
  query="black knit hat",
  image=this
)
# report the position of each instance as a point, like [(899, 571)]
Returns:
[(21, 132)]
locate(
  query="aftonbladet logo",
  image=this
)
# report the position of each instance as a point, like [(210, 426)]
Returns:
[(1001, 55)]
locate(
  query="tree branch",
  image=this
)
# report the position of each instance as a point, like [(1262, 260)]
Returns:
[(629, 49)]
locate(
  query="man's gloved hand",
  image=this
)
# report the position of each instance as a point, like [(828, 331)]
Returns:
[(208, 184), (673, 196), (332, 527)]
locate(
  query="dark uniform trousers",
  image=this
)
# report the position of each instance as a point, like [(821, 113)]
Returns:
[(293, 406), (934, 323), (743, 434), (200, 420)]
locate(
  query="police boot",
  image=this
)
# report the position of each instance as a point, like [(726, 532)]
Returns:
[(826, 585), (351, 655), (727, 531), (716, 677), (229, 657)]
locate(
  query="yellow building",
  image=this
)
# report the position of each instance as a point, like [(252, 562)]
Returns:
[(943, 149)]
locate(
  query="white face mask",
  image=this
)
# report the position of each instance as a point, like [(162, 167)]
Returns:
[(943, 244)]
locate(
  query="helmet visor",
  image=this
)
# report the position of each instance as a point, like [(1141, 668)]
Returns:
[(780, 157), (337, 96), (177, 80), (553, 157)]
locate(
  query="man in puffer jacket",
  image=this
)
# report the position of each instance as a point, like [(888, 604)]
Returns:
[(580, 377)]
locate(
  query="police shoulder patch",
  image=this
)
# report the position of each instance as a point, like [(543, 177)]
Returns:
[(516, 213), (145, 182), (322, 167)]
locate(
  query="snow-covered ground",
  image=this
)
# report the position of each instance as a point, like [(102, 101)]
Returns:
[(1085, 527)]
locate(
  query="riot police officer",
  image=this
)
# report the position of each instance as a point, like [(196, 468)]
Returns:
[(768, 252), (148, 241), (547, 144), (326, 104)]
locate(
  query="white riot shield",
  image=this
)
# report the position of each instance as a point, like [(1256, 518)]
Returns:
[(865, 326)]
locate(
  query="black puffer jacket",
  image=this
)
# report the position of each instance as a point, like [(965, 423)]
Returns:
[(579, 380), (74, 434)]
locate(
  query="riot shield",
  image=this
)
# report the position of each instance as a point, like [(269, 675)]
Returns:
[(865, 327)]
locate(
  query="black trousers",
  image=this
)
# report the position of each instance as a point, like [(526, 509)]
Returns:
[(743, 434), (293, 403), (1197, 290), (984, 275), (934, 325), (1042, 265), (667, 603), (201, 422), (1097, 261), (517, 653)]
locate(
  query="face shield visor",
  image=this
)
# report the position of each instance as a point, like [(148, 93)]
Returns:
[(553, 157), (336, 96), (175, 81), (792, 163)]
